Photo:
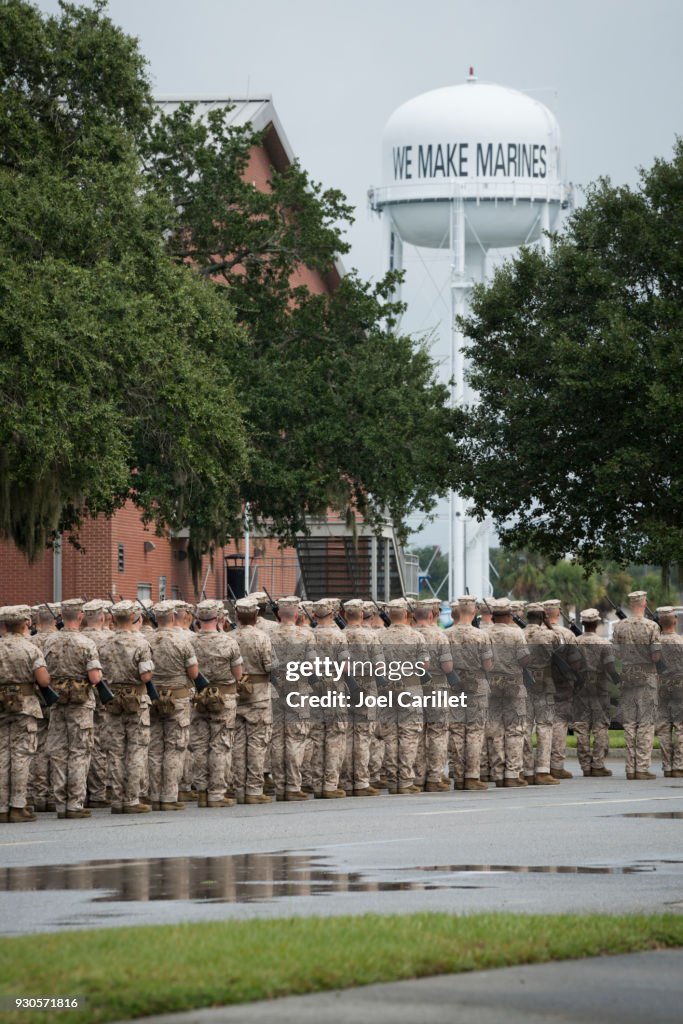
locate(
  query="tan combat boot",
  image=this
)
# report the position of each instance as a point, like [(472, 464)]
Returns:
[(333, 794), (561, 773), (294, 795), (475, 784), (82, 812), (435, 787), (20, 815), (545, 779), (225, 801), (368, 791), (409, 789), (514, 784), (257, 798), (600, 773), (677, 773), (136, 809), (202, 798), (170, 805), (645, 776)]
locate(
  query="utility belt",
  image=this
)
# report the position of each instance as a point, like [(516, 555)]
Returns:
[(258, 677), (212, 698), (12, 697), (72, 691), (167, 704), (128, 698)]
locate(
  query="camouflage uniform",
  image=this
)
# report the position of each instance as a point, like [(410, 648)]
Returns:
[(20, 713), (70, 656), (540, 697), (366, 650), (507, 701), (291, 726), (470, 648), (635, 641), (563, 715), (432, 749), (213, 721), (402, 726), (39, 786), (172, 654), (98, 772), (328, 725), (254, 718), (591, 702), (125, 656), (670, 703)]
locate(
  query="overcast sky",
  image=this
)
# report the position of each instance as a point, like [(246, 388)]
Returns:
[(611, 70)]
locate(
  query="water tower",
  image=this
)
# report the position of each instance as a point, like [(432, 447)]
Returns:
[(468, 168)]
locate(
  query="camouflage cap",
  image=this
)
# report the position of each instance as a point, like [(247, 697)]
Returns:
[(590, 615), (72, 604), (666, 609), (369, 608), (246, 604), (535, 608), (94, 607), (259, 596), (398, 604), (165, 608), (552, 603), (637, 595), (11, 613), (124, 609), (289, 602), (354, 605), (466, 599), (209, 610), (321, 609), (501, 606)]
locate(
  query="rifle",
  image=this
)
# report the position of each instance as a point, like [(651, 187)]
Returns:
[(453, 679), (308, 615), (273, 604), (103, 691), (201, 682), (354, 687), (382, 614), (148, 613), (528, 677), (49, 695), (621, 614), (60, 624), (518, 622), (571, 625), (652, 616), (566, 670), (152, 691), (476, 621)]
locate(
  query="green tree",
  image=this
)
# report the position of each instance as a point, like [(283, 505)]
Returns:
[(578, 358), (115, 376), (343, 411)]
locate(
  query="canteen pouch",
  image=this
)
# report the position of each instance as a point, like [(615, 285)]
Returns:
[(126, 700), (79, 691), (211, 699), (245, 687), (166, 705), (11, 700)]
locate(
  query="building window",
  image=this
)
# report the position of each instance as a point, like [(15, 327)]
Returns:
[(162, 588), (121, 558), (175, 593), (144, 591)]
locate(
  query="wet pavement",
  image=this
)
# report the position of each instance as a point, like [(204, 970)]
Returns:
[(578, 847)]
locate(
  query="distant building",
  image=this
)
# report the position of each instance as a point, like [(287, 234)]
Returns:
[(120, 556)]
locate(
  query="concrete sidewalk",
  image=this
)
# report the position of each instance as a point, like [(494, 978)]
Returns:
[(632, 989)]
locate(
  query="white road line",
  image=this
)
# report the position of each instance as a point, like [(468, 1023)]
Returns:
[(29, 842), (556, 803)]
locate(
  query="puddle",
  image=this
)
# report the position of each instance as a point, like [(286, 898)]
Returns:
[(249, 878), (653, 814)]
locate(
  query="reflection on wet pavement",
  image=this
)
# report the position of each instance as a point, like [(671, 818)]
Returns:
[(248, 878), (653, 814)]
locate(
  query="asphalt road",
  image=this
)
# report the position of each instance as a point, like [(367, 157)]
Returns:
[(540, 850)]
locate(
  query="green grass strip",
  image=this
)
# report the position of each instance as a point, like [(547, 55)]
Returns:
[(132, 972)]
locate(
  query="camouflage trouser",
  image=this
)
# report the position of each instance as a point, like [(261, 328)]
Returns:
[(211, 740), (355, 771), (253, 728), (637, 712), (466, 731), (432, 752), (591, 716), (99, 764), (541, 714), (564, 717), (401, 738), (168, 742), (507, 725), (670, 726), (376, 762), (287, 750), (69, 743), (18, 741), (186, 779), (327, 756), (39, 788), (127, 740)]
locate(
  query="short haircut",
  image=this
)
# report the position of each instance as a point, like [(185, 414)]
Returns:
[(15, 627), (535, 617), (163, 618), (667, 619), (71, 614), (422, 613), (246, 618)]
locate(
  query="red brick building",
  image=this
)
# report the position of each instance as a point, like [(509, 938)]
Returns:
[(119, 556)]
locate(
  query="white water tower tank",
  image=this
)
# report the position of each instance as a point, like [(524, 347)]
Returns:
[(469, 168)]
